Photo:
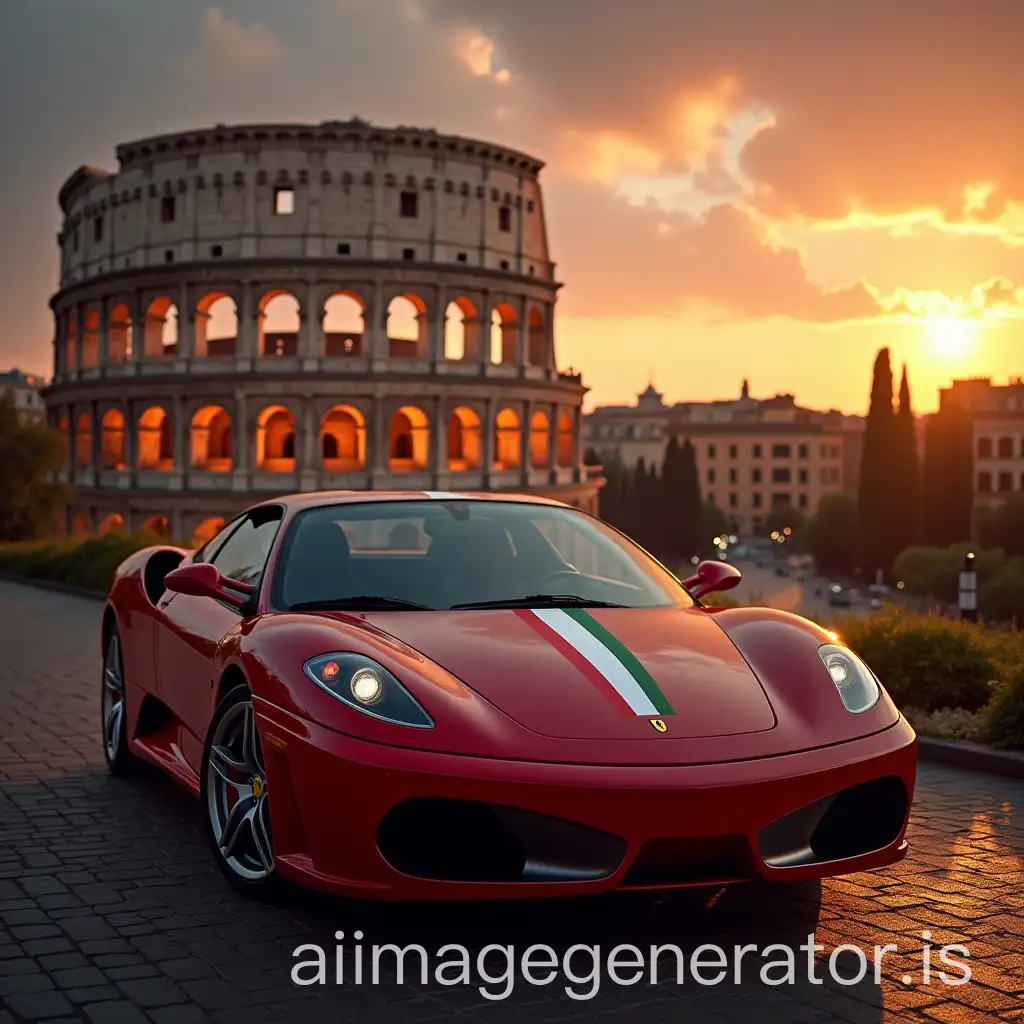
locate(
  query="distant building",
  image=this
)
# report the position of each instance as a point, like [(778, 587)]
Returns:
[(752, 454), (24, 388), (997, 435)]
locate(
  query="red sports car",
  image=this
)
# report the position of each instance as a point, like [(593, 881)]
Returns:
[(434, 695)]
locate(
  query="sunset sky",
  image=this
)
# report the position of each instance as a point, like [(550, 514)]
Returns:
[(770, 189)]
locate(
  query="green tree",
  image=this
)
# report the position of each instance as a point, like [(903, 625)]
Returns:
[(691, 508), (877, 546), (904, 519), (716, 522), (832, 535), (1003, 526), (29, 453)]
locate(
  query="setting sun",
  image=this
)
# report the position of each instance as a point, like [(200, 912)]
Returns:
[(950, 335)]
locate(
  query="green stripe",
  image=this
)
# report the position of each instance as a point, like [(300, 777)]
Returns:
[(624, 656)]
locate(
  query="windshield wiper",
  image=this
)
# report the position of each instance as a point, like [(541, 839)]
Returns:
[(542, 601), (367, 602)]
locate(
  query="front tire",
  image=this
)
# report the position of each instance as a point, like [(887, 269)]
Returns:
[(234, 795), (114, 710)]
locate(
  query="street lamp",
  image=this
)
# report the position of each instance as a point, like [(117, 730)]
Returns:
[(969, 589)]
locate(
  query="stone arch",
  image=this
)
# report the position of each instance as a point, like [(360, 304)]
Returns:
[(83, 441), (119, 334), (463, 439), (158, 525), (504, 334), (344, 324), (112, 439), (71, 340), (64, 428), (206, 531), (540, 440), (462, 330), (407, 327), (216, 329), (79, 524), (275, 440), (507, 436), (280, 321), (537, 341), (343, 439), (409, 440), (91, 339), (210, 439), (565, 444), (112, 523), (155, 445), (160, 328)]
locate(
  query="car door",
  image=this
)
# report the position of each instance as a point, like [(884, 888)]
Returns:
[(193, 627)]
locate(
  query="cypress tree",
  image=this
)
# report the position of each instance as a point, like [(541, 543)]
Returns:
[(691, 507), (906, 523), (875, 499), (946, 484)]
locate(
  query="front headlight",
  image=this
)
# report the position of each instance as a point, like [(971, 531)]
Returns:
[(854, 680), (368, 687)]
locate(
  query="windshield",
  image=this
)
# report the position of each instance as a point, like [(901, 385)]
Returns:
[(450, 554)]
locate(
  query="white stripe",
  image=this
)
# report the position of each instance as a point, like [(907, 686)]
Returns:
[(599, 656), (443, 495)]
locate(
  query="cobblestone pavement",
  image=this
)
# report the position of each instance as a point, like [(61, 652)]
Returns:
[(111, 908)]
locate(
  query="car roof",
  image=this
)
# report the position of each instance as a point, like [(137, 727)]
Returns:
[(316, 499)]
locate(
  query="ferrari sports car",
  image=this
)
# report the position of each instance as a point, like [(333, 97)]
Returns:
[(457, 696)]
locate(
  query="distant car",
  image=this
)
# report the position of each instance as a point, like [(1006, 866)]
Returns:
[(837, 597), (874, 604), (427, 695)]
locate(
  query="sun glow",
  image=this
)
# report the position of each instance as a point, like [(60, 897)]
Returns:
[(950, 335)]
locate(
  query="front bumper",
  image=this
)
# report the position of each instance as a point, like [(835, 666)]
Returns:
[(338, 802)]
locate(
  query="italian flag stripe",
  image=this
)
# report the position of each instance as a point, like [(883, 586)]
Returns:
[(605, 656)]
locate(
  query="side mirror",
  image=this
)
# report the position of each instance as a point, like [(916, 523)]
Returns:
[(711, 577), (200, 579)]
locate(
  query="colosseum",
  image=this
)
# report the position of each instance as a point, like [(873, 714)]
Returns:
[(253, 310)]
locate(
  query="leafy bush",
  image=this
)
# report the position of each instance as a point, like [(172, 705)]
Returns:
[(951, 678), (87, 562), (1004, 715)]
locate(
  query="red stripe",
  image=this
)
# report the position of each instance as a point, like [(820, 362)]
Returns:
[(576, 659)]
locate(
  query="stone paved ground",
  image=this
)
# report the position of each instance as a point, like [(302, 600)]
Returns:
[(111, 909)]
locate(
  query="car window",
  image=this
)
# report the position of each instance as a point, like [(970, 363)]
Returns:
[(210, 548), (244, 554), (443, 554)]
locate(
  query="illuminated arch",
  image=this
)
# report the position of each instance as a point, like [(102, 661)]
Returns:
[(507, 436), (112, 439), (160, 330), (540, 440), (461, 330), (537, 344), (158, 525), (566, 454), (216, 328), (119, 334), (210, 439), (343, 439), (79, 524), (155, 446), (407, 327), (83, 441), (91, 339), (279, 324), (206, 531), (344, 324), (463, 440), (71, 341), (504, 334), (409, 440), (113, 523), (275, 440)]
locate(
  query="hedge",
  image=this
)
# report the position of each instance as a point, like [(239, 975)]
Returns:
[(951, 678), (87, 562)]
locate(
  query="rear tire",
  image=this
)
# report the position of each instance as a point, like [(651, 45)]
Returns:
[(114, 710), (233, 787)]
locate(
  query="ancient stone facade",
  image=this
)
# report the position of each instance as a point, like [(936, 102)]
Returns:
[(253, 310)]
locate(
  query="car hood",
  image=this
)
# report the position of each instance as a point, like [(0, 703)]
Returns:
[(601, 673)]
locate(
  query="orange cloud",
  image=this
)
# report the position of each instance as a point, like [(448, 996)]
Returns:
[(227, 45)]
